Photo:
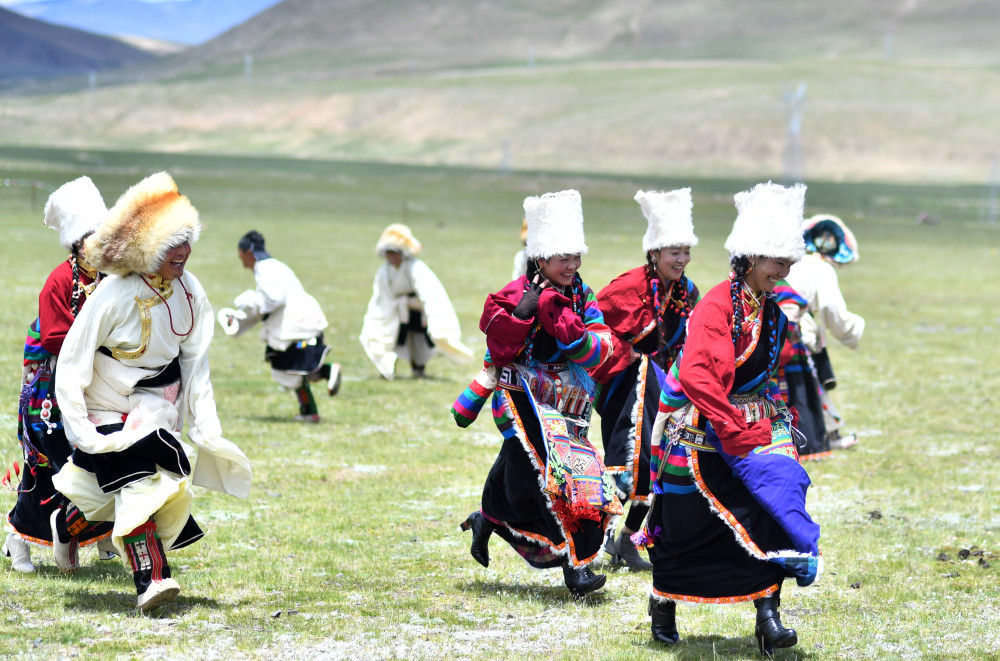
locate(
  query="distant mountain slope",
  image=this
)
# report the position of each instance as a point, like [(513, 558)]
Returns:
[(35, 49), (180, 21), (390, 36)]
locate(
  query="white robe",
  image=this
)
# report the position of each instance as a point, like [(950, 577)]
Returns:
[(292, 314), (94, 389), (816, 281), (390, 306)]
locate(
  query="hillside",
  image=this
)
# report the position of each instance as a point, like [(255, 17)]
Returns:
[(622, 86), (35, 49)]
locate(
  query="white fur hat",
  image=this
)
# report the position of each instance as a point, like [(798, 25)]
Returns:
[(769, 222), (147, 221), (555, 225), (669, 217), (397, 238), (74, 210)]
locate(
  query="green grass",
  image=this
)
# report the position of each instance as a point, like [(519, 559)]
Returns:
[(349, 547)]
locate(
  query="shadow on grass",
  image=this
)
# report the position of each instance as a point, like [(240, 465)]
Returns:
[(123, 601), (695, 648), (541, 593)]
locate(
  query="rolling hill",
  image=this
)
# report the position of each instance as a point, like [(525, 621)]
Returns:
[(31, 49), (905, 92)]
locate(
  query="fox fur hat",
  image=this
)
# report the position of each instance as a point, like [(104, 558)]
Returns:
[(148, 220), (74, 210), (769, 222), (397, 238), (669, 219), (555, 225)]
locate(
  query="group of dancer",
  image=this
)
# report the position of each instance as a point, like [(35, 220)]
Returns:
[(103, 462), (697, 396)]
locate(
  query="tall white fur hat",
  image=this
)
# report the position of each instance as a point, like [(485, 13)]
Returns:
[(669, 218), (555, 225), (397, 238), (769, 222), (74, 210), (148, 220)]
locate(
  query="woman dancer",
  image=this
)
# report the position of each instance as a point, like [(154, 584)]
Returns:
[(41, 515), (409, 314), (548, 494), (647, 307), (728, 522), (134, 368)]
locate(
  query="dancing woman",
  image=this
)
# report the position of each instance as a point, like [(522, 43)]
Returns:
[(647, 307), (548, 494), (728, 522), (41, 516)]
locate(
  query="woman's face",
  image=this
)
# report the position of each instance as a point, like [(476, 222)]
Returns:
[(559, 269), (394, 258), (671, 262), (765, 272), (173, 264)]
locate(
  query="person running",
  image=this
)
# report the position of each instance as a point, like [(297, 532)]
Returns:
[(292, 324), (133, 370), (548, 494), (646, 307), (41, 516), (728, 521), (830, 245)]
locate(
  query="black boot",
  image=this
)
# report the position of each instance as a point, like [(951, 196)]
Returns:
[(150, 570), (481, 528), (769, 631), (664, 622), (629, 554), (581, 580)]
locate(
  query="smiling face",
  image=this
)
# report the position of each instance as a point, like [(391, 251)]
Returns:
[(766, 271), (173, 264), (560, 269), (671, 262)]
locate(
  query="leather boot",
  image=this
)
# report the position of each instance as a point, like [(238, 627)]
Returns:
[(481, 528), (629, 554), (150, 570), (581, 580), (769, 631), (19, 552), (663, 617)]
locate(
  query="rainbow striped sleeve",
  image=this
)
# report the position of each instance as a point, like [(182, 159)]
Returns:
[(590, 350), (672, 395), (33, 351)]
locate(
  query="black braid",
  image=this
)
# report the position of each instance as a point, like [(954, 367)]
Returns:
[(741, 265)]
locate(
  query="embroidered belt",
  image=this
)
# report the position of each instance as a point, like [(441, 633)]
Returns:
[(549, 384), (687, 426)]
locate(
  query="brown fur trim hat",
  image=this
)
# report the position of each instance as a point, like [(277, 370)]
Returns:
[(147, 221)]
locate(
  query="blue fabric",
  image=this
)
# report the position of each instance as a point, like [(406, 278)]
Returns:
[(779, 483)]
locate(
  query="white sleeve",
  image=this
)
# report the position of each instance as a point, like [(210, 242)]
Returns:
[(832, 310), (442, 322)]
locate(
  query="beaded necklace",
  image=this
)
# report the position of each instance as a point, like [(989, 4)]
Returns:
[(78, 290), (676, 302), (748, 316), (576, 296), (166, 285)]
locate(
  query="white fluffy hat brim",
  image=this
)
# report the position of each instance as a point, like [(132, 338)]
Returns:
[(555, 225), (147, 221), (769, 222), (75, 209), (398, 238), (668, 217)]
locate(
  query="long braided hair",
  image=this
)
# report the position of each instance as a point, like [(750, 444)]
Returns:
[(741, 267), (674, 299), (77, 290)]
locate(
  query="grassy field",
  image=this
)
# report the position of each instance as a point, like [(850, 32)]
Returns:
[(349, 546)]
